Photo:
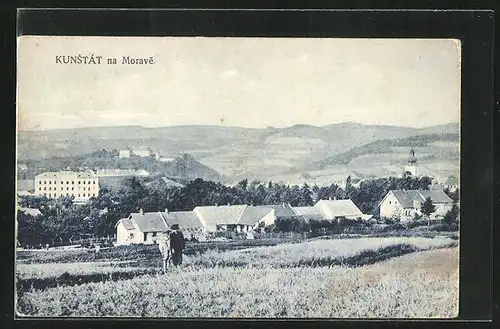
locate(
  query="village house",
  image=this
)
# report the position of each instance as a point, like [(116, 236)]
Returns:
[(141, 228), (125, 153), (80, 185), (331, 210), (33, 212), (405, 204), (452, 183)]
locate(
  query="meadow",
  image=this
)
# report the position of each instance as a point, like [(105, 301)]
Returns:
[(396, 277)]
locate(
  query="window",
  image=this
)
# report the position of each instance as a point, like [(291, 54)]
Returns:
[(72, 189), (50, 182), (39, 189), (154, 234), (73, 182), (45, 182), (78, 194), (79, 182), (93, 182), (67, 182), (45, 194), (67, 188), (389, 202), (50, 188), (84, 195), (131, 235), (45, 188), (50, 195), (55, 195), (83, 182)]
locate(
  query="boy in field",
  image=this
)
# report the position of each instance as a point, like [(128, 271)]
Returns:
[(164, 245)]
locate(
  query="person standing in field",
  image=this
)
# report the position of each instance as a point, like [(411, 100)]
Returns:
[(177, 244), (164, 245)]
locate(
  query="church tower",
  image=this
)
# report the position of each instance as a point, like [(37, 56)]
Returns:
[(411, 167)]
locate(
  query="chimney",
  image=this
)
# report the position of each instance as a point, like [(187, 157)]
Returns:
[(283, 204), (216, 204), (228, 204), (330, 198), (166, 210), (334, 198), (141, 211)]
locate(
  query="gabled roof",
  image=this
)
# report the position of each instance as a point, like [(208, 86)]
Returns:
[(407, 197), (307, 211), (281, 210), (452, 180), (127, 223), (437, 196), (253, 215), (217, 215), (33, 212), (338, 208), (149, 221), (185, 219), (170, 182)]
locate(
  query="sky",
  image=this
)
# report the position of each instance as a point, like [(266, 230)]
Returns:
[(245, 82)]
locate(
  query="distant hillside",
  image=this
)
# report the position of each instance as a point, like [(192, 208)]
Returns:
[(184, 167), (385, 146), (232, 152)]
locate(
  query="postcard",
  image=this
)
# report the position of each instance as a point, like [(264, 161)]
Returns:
[(235, 177)]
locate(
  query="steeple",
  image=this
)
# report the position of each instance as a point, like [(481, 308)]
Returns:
[(412, 160), (411, 168)]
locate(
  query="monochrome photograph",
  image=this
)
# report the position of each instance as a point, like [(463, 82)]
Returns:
[(237, 177)]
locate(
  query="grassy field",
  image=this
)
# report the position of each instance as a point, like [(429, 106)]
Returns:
[(368, 277)]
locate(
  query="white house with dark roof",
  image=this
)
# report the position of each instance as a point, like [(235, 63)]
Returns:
[(404, 204), (142, 227)]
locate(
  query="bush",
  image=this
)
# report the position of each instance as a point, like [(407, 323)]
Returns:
[(445, 227)]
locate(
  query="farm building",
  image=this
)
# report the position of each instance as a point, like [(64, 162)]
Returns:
[(332, 209), (148, 227), (125, 153), (141, 228), (452, 183), (405, 204), (188, 222), (240, 218)]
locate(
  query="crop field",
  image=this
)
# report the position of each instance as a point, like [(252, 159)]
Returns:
[(395, 277)]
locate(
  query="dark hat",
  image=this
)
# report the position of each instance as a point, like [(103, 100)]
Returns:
[(175, 226)]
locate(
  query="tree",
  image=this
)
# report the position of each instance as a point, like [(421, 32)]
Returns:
[(451, 215), (428, 207)]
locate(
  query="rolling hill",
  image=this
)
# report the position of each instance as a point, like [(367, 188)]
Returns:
[(267, 153)]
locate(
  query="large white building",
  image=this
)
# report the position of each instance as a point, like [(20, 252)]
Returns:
[(80, 185)]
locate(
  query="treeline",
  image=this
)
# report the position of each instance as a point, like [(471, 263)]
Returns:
[(64, 221)]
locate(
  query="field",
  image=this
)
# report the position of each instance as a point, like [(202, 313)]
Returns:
[(396, 277)]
